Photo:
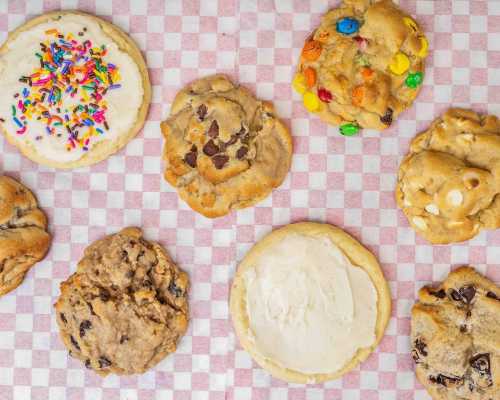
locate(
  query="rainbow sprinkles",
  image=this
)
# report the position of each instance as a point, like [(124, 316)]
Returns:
[(67, 92)]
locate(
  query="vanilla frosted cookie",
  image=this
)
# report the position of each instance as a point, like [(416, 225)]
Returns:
[(75, 89), (309, 303), (24, 239), (448, 184), (362, 66), (455, 330), (126, 307), (224, 149)]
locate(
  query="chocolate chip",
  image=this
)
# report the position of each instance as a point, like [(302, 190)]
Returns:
[(387, 118), (86, 324), (63, 318), (87, 364), (481, 363), (74, 342), (468, 293), (492, 295), (123, 339), (468, 314), (242, 152), (463, 328), (440, 294), (220, 160), (174, 289), (190, 159), (124, 254), (210, 148), (421, 347), (104, 295), (104, 362), (213, 131), (132, 243), (444, 380), (202, 112), (455, 295)]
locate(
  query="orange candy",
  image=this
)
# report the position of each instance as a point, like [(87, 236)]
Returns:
[(367, 73), (312, 50), (357, 95), (310, 75)]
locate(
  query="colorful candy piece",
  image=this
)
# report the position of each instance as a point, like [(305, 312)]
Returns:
[(325, 95), (358, 93), (424, 47), (362, 59), (361, 42), (399, 64), (299, 83), (312, 50), (311, 102), (310, 75), (414, 80), (349, 129), (410, 23), (347, 26), (367, 73)]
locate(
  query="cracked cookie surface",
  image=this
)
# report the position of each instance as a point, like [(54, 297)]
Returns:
[(449, 182), (455, 334), (362, 66), (223, 149), (24, 239), (126, 306)]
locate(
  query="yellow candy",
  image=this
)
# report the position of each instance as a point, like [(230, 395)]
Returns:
[(410, 23), (299, 83), (311, 102), (399, 64), (424, 47)]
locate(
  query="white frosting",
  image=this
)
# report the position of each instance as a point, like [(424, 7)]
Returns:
[(20, 60), (309, 308)]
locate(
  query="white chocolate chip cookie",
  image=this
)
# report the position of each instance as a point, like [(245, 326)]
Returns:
[(448, 183)]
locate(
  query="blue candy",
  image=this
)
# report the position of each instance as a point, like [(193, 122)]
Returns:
[(347, 26)]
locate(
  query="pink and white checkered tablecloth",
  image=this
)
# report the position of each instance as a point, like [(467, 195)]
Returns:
[(345, 181)]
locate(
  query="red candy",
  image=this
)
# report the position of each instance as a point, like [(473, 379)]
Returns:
[(361, 42), (325, 95)]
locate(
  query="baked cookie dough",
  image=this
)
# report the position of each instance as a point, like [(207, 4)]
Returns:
[(75, 89), (23, 233), (448, 183), (224, 149), (309, 303), (125, 308), (362, 66), (455, 332)]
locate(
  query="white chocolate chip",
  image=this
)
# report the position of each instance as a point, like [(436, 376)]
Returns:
[(419, 222), (431, 208), (455, 197)]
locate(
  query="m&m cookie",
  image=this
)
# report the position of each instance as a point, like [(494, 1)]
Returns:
[(362, 66)]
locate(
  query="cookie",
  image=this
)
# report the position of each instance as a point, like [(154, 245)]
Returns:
[(309, 303), (75, 89), (455, 334), (125, 308), (24, 239), (224, 149), (448, 183), (362, 66)]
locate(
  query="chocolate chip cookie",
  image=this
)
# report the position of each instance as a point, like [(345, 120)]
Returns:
[(126, 306), (455, 333), (448, 183), (23, 233), (224, 149), (362, 66)]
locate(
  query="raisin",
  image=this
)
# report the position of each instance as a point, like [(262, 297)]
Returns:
[(104, 362), (492, 295), (220, 160), (74, 343), (174, 289), (440, 294), (467, 293), (190, 159), (210, 148), (63, 318), (86, 324), (242, 152), (202, 112), (213, 131), (387, 118), (481, 363)]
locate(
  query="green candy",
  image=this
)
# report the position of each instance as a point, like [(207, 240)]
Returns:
[(414, 80), (349, 129)]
